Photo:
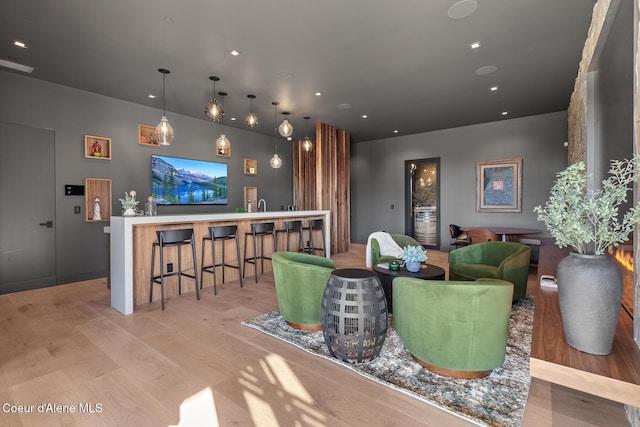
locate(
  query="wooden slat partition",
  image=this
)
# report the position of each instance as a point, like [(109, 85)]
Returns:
[(322, 181)]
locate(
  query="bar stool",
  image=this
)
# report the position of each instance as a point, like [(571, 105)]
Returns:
[(167, 239), (315, 224), (261, 230), (293, 227), (220, 233)]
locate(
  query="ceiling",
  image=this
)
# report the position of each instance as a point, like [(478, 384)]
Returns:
[(405, 64)]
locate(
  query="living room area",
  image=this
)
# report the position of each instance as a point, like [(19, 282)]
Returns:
[(67, 357)]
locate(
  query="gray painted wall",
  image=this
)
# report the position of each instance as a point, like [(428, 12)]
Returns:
[(81, 247), (377, 173)]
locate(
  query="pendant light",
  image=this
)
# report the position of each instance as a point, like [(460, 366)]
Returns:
[(164, 132), (275, 161), (251, 120), (307, 144), (213, 110), (285, 129), (222, 143)]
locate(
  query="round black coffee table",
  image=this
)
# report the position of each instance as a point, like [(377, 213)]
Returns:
[(427, 272)]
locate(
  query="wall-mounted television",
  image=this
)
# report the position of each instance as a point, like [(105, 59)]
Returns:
[(178, 181)]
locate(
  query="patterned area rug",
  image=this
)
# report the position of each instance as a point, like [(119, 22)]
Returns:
[(496, 400)]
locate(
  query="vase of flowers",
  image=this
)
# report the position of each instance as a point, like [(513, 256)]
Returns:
[(413, 256), (129, 203), (587, 219)]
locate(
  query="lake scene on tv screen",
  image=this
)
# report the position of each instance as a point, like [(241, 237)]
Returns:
[(178, 181)]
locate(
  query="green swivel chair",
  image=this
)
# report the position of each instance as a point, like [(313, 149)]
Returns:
[(402, 240), (300, 281), (457, 329), (496, 260)]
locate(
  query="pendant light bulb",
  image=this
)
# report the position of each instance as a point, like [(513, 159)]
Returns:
[(285, 129), (213, 110), (164, 132), (307, 144), (251, 120), (276, 161)]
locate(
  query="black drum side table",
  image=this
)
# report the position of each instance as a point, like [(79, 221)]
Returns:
[(354, 315)]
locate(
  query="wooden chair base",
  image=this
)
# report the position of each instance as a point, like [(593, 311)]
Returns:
[(452, 373), (309, 328)]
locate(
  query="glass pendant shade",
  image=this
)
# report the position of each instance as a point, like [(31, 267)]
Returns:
[(214, 111), (164, 132), (251, 120), (276, 161), (307, 145), (222, 144), (285, 129)]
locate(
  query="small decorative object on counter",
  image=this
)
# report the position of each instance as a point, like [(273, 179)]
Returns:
[(394, 265), (249, 206), (96, 209), (129, 203), (150, 207)]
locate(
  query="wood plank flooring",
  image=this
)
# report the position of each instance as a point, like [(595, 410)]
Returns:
[(66, 346)]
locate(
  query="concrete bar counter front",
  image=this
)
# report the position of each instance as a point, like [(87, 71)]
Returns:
[(132, 239)]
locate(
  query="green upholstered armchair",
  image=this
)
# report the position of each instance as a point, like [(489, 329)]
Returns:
[(300, 281), (401, 240), (454, 328), (497, 260)]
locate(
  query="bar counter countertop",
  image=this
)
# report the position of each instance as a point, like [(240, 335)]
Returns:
[(131, 239)]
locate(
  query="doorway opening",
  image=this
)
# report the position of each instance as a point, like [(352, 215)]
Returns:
[(422, 201)]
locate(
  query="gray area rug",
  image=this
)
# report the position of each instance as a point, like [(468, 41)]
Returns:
[(496, 400)]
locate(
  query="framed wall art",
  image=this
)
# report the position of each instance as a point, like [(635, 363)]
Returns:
[(147, 135), (499, 185)]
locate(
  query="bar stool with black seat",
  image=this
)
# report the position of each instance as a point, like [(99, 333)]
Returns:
[(259, 230), (222, 234), (170, 239), (313, 225), (293, 227)]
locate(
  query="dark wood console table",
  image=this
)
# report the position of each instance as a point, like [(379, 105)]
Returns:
[(615, 377)]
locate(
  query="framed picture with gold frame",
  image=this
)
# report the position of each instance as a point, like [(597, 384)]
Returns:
[(147, 135), (499, 185), (250, 167)]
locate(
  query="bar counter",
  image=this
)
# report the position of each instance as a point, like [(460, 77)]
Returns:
[(132, 238)]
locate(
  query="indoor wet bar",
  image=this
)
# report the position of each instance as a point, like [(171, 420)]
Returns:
[(133, 237)]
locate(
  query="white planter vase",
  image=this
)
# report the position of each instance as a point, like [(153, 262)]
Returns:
[(129, 212)]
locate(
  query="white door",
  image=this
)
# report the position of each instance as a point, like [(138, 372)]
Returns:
[(27, 208)]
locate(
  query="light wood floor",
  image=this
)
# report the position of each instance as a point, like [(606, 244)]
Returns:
[(65, 345)]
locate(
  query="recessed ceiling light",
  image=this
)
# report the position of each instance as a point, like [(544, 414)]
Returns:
[(233, 119), (20, 44), (504, 113), (395, 131), (152, 96), (364, 116), (474, 45), (167, 20), (16, 66), (234, 52), (488, 69), (462, 9), (344, 106), (493, 88), (318, 93)]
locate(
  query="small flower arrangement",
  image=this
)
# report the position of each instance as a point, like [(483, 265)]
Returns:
[(414, 254), (129, 201)]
